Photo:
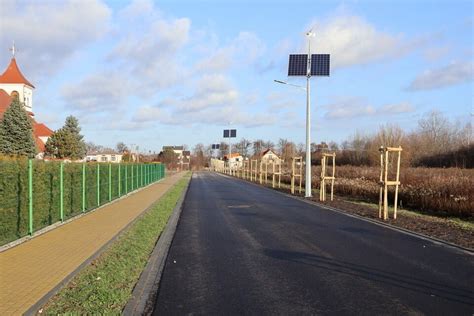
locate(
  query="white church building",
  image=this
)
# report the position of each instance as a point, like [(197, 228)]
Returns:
[(14, 84)]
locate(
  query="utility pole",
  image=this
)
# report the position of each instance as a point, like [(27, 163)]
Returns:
[(308, 192)]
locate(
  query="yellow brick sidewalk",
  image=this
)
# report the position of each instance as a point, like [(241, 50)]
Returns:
[(32, 269)]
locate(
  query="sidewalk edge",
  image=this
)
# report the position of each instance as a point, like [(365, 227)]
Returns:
[(146, 289)]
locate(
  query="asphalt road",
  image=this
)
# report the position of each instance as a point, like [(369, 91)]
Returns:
[(241, 249)]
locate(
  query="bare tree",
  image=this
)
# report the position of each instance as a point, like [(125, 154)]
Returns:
[(243, 147), (198, 160), (300, 149), (121, 147), (268, 145), (258, 147), (223, 149)]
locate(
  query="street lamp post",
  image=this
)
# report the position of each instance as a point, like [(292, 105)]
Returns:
[(308, 192), (308, 135)]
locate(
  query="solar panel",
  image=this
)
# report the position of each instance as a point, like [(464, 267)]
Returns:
[(230, 133), (320, 65), (297, 65)]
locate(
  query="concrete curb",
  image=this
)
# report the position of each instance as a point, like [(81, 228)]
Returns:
[(146, 289), (33, 310), (369, 220)]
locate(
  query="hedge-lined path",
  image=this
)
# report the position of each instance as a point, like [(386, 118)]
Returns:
[(31, 270)]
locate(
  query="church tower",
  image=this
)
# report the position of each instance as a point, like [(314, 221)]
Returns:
[(15, 84)]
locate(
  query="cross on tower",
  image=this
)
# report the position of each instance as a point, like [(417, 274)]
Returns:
[(13, 49)]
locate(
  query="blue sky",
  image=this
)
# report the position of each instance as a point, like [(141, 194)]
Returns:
[(177, 72)]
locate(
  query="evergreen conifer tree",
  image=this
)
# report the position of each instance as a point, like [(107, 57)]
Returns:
[(67, 142), (16, 131)]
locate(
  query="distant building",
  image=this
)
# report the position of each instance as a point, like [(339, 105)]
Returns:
[(177, 150), (234, 160), (14, 84), (270, 156), (106, 156)]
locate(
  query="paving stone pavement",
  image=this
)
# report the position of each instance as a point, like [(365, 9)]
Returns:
[(32, 269)]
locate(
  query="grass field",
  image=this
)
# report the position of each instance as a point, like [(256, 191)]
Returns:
[(105, 286)]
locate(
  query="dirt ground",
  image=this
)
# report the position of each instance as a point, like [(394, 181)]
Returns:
[(455, 231)]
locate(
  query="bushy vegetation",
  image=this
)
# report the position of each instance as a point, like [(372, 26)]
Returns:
[(46, 191), (441, 191)]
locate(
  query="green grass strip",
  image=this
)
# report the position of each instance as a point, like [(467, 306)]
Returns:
[(106, 285)]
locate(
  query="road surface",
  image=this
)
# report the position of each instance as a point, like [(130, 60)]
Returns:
[(243, 249)]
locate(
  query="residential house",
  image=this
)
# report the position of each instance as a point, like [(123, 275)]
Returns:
[(270, 156), (234, 160), (105, 156)]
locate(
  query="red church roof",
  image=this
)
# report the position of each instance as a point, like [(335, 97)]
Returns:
[(13, 75), (42, 130), (5, 101)]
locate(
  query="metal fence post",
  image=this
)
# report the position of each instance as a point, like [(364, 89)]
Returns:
[(141, 169), (110, 182), (126, 180), (83, 187), (61, 190), (131, 178), (119, 182), (30, 196), (98, 184), (137, 176)]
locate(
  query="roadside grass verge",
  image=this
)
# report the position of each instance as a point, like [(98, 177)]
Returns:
[(106, 285), (467, 224)]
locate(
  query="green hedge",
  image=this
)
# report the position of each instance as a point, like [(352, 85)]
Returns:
[(14, 199)]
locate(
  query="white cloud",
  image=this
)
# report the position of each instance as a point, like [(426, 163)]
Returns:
[(137, 9), (348, 108), (148, 113), (455, 73), (245, 49), (352, 107), (97, 93), (150, 50), (351, 40), (435, 53), (398, 108), (208, 116), (47, 33), (214, 90)]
